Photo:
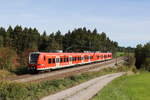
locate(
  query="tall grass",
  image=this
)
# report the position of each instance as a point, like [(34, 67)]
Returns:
[(5, 74)]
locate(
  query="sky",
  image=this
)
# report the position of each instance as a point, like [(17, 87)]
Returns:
[(124, 21)]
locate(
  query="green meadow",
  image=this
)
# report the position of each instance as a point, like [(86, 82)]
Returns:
[(128, 87)]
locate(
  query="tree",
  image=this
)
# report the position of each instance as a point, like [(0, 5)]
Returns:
[(2, 31), (1, 41), (8, 37), (142, 55)]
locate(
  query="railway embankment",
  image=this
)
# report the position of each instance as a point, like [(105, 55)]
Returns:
[(67, 72)]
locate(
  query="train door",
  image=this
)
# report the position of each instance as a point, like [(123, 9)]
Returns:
[(57, 61), (86, 58), (70, 60), (82, 58), (89, 58)]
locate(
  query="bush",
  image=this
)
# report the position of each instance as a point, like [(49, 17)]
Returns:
[(8, 59), (21, 70), (146, 64), (130, 61), (13, 91)]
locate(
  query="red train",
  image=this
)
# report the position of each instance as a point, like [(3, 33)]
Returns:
[(43, 61)]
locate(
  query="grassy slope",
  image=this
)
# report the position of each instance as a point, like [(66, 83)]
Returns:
[(135, 87), (34, 91), (5, 74)]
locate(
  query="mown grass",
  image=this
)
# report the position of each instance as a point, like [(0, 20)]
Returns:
[(34, 91), (119, 54), (132, 87)]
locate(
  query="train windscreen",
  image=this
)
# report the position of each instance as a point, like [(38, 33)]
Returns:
[(33, 58)]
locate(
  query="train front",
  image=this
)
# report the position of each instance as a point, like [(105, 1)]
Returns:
[(34, 61)]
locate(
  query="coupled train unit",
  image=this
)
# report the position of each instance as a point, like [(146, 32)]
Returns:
[(44, 61)]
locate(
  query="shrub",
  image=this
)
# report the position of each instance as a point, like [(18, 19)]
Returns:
[(8, 59), (13, 91), (146, 64), (134, 70)]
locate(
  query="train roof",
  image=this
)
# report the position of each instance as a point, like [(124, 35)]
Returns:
[(65, 53)]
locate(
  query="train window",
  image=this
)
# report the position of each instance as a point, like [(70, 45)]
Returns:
[(86, 57), (49, 61), (78, 58), (75, 58), (67, 59), (44, 58), (64, 59), (81, 58), (61, 59), (53, 60)]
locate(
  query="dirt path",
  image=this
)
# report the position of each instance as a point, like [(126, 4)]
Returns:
[(84, 91)]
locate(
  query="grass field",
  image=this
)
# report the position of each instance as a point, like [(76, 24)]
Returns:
[(133, 87), (119, 54)]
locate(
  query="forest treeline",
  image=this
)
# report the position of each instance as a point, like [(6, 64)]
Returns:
[(142, 55), (17, 42), (78, 40)]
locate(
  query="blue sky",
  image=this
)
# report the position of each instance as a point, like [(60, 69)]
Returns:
[(125, 21)]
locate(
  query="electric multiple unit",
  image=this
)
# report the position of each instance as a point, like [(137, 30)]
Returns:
[(44, 61)]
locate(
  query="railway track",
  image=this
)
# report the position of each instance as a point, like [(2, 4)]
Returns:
[(65, 72)]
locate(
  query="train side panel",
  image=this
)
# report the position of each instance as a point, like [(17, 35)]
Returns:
[(43, 61)]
